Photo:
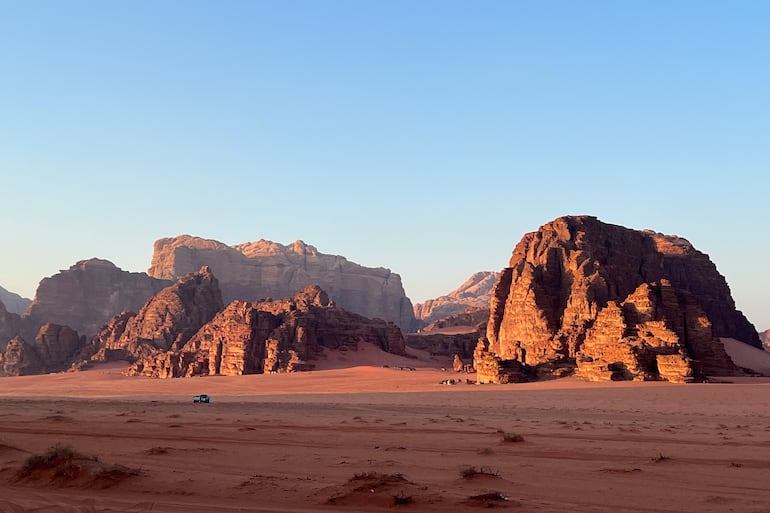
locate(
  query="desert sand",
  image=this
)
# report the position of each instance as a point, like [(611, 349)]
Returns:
[(355, 436)]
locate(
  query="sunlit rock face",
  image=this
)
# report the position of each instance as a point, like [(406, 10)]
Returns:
[(265, 269), (588, 293), (90, 293), (270, 336)]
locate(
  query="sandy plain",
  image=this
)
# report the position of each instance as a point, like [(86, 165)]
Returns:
[(358, 437)]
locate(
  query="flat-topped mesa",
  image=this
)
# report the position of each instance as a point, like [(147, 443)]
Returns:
[(474, 293), (166, 322), (267, 269), (549, 303), (89, 293), (284, 335)]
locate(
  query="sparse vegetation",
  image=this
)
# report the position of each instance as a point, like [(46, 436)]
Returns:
[(660, 457), (511, 438), (469, 472), (62, 464), (402, 499)]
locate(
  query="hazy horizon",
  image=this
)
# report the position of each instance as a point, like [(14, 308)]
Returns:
[(423, 137)]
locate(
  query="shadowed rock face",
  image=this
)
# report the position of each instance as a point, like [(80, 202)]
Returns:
[(166, 322), (562, 278), (475, 293), (270, 336), (765, 338), (265, 269), (89, 293), (13, 302), (54, 349)]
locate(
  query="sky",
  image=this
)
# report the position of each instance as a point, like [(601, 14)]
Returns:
[(422, 136)]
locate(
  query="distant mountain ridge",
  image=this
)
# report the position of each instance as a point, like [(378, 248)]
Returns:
[(474, 293), (13, 302)]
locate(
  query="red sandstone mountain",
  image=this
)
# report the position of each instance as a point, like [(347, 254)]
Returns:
[(473, 294), (53, 350), (90, 293), (270, 336), (166, 322), (265, 269), (617, 302)]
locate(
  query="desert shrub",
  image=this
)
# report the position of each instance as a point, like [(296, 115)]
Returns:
[(510, 438), (401, 499), (470, 471), (59, 457)]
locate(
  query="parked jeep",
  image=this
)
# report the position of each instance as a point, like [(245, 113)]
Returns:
[(203, 398)]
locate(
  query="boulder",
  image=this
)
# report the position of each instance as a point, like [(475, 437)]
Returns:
[(54, 349), (580, 291), (90, 293), (270, 336), (473, 294), (266, 269)]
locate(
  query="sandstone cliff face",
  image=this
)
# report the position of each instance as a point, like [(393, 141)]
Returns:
[(89, 293), (265, 269), (270, 336), (54, 349), (475, 293), (548, 306), (166, 322), (12, 325), (13, 302), (19, 359), (765, 338)]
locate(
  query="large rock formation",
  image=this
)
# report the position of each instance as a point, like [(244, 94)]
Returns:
[(475, 293), (89, 293), (265, 269), (54, 349), (13, 325), (166, 322), (270, 336), (13, 302), (765, 338), (579, 290)]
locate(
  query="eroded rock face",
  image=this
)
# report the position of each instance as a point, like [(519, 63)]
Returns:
[(266, 269), (19, 359), (166, 322), (270, 336), (765, 338), (475, 293), (549, 305), (89, 293), (13, 302), (54, 349)]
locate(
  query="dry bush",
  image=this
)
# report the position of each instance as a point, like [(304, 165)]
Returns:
[(470, 471), (510, 438)]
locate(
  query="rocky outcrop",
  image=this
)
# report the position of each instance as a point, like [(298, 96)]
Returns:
[(266, 269), (19, 359), (765, 338), (54, 349), (166, 322), (656, 333), (475, 293), (13, 325), (549, 305), (89, 293), (13, 302), (270, 336), (471, 319), (444, 344)]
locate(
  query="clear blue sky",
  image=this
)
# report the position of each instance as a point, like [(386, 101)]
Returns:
[(422, 136)]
